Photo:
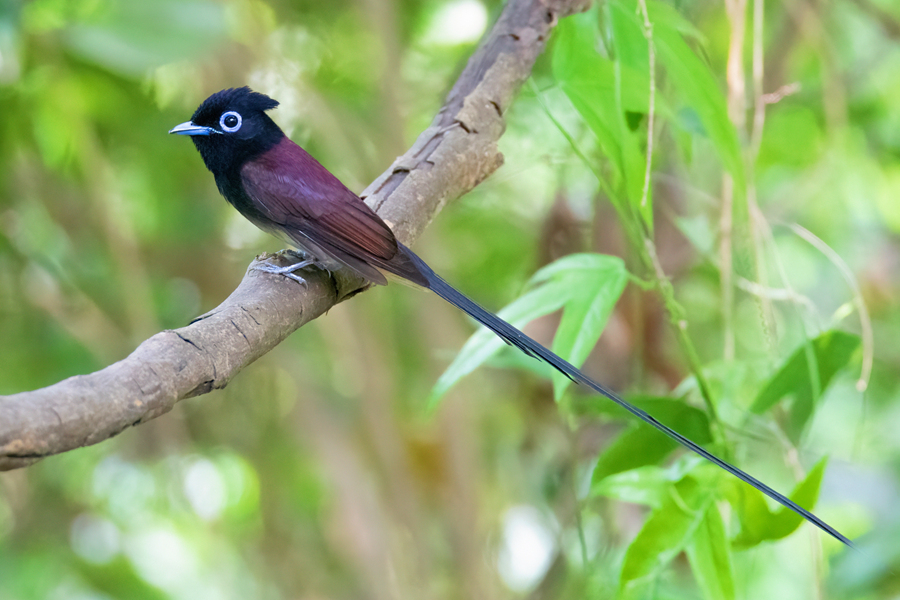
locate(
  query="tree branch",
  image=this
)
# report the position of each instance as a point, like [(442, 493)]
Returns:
[(452, 156)]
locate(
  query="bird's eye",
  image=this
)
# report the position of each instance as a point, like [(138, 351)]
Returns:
[(230, 121)]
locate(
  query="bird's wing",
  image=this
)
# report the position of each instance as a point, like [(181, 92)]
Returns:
[(318, 213)]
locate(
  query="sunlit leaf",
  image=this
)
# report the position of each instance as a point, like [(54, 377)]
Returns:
[(806, 381), (710, 555), (641, 444), (592, 284), (665, 534), (694, 80), (649, 485), (585, 286), (633, 81), (485, 343), (643, 485), (759, 524), (603, 92)]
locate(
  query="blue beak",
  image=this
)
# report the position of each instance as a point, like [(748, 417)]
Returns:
[(189, 128)]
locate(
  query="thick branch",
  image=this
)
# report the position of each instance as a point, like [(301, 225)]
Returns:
[(456, 153)]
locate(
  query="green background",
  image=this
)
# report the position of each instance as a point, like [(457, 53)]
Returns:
[(320, 472)]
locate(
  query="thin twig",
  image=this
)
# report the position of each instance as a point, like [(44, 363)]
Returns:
[(651, 112), (865, 321)]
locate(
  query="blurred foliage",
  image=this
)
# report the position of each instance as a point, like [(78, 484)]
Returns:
[(319, 472)]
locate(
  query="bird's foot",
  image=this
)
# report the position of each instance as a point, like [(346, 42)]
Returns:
[(303, 260), (299, 255)]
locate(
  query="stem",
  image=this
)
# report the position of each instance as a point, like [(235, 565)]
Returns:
[(676, 318)]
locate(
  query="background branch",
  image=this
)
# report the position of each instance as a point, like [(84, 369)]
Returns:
[(452, 156)]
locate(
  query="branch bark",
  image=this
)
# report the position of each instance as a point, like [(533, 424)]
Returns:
[(456, 153)]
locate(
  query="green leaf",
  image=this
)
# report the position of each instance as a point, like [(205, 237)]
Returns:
[(593, 283), (585, 286), (485, 343), (635, 447), (666, 533), (710, 556), (759, 524), (649, 485), (666, 15), (641, 444), (603, 91), (630, 44), (694, 80), (633, 89), (644, 485), (807, 380)]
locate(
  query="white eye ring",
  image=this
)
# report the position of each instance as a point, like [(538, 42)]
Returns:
[(232, 126)]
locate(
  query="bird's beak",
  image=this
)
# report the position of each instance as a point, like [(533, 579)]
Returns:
[(188, 128)]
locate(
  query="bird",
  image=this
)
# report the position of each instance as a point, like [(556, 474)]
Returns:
[(283, 190)]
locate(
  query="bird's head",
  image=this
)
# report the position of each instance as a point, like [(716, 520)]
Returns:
[(231, 127)]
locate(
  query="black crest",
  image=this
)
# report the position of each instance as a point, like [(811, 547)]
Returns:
[(242, 100), (239, 130)]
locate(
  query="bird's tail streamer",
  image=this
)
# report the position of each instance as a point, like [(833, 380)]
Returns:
[(516, 338)]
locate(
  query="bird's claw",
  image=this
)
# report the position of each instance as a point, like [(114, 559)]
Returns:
[(287, 271)]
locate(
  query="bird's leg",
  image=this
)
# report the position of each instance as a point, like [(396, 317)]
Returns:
[(303, 260)]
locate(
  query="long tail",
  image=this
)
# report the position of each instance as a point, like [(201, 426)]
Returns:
[(516, 338)]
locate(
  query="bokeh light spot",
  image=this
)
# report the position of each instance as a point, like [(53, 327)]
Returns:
[(457, 22), (205, 489), (95, 539), (527, 547), (162, 558)]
